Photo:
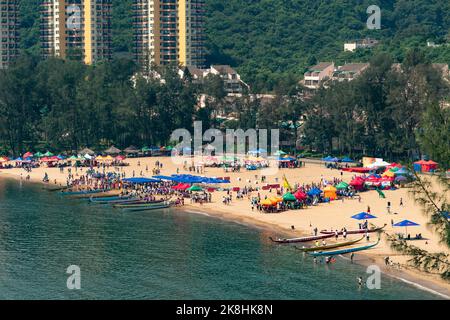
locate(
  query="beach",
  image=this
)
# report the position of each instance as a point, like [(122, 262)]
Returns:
[(334, 215)]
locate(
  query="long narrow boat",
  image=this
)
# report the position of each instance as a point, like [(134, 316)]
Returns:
[(303, 239), (344, 251), (137, 204), (147, 208), (51, 189), (83, 192), (330, 246), (110, 199), (360, 231)]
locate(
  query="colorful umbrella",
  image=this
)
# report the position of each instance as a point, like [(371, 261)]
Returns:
[(289, 197)]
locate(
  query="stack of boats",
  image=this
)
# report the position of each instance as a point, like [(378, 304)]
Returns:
[(329, 249), (118, 201)]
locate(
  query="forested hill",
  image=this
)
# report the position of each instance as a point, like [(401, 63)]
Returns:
[(266, 40)]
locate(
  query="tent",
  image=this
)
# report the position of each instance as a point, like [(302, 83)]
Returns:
[(120, 158), (327, 159), (38, 155), (112, 150), (389, 174), (48, 154), (131, 150), (144, 149), (288, 197), (377, 164), (430, 166), (330, 192), (342, 186), (347, 159), (27, 155), (358, 183), (266, 203), (280, 153), (314, 192), (195, 189), (4, 159), (275, 200), (86, 151), (300, 195)]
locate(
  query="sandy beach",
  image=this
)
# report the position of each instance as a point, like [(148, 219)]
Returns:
[(334, 215)]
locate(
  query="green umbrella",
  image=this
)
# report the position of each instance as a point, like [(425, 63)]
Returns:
[(195, 189), (146, 149), (38, 155), (342, 186), (289, 197), (48, 154)]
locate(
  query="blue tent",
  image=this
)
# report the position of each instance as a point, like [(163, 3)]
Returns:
[(329, 158), (363, 216), (334, 160), (314, 192), (140, 180), (347, 159), (257, 151), (19, 159)]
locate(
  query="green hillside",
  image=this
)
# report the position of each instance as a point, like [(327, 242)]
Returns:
[(268, 39)]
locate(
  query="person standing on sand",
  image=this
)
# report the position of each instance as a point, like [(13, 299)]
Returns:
[(315, 231), (401, 202)]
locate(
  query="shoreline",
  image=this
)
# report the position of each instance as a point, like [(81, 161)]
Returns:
[(421, 280)]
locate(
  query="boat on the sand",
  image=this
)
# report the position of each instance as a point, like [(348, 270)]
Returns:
[(359, 231), (330, 246), (302, 239), (344, 251)]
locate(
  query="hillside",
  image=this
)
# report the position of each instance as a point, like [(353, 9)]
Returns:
[(269, 39)]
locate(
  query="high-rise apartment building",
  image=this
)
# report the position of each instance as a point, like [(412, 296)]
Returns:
[(9, 36), (169, 31), (76, 29)]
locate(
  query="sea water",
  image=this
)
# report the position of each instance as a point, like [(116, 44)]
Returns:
[(167, 254)]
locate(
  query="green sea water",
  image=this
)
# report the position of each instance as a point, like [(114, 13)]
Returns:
[(157, 255)]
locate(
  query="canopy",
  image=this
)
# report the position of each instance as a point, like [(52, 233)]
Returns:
[(257, 151), (48, 154), (195, 189), (86, 151), (378, 163), (289, 197), (88, 156), (330, 192), (4, 159), (140, 180), (144, 149), (275, 200), (181, 186), (38, 155), (402, 171), (131, 150), (363, 216), (300, 195), (342, 186), (389, 174), (400, 179), (120, 158), (112, 150), (73, 158), (347, 159), (27, 155), (314, 192), (280, 153), (266, 202)]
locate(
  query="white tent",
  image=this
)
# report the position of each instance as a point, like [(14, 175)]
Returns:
[(378, 163)]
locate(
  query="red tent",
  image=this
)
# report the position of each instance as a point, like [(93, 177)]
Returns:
[(27, 155), (120, 158), (430, 166), (300, 195), (358, 183)]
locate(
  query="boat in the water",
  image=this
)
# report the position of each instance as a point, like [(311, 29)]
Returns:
[(303, 239), (359, 231), (110, 199), (156, 206), (137, 204), (330, 246), (344, 251), (81, 192)]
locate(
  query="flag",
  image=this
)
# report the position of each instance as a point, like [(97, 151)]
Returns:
[(286, 184)]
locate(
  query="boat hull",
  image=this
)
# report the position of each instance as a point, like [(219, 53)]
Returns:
[(303, 239), (343, 251), (330, 246), (148, 208)]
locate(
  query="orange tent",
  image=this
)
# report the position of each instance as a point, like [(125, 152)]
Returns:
[(330, 192)]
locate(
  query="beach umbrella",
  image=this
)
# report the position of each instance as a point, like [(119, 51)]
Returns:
[(195, 189), (4, 159), (401, 179), (363, 216), (289, 197), (406, 224), (342, 186), (48, 154), (73, 158), (120, 158), (300, 195), (314, 192)]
